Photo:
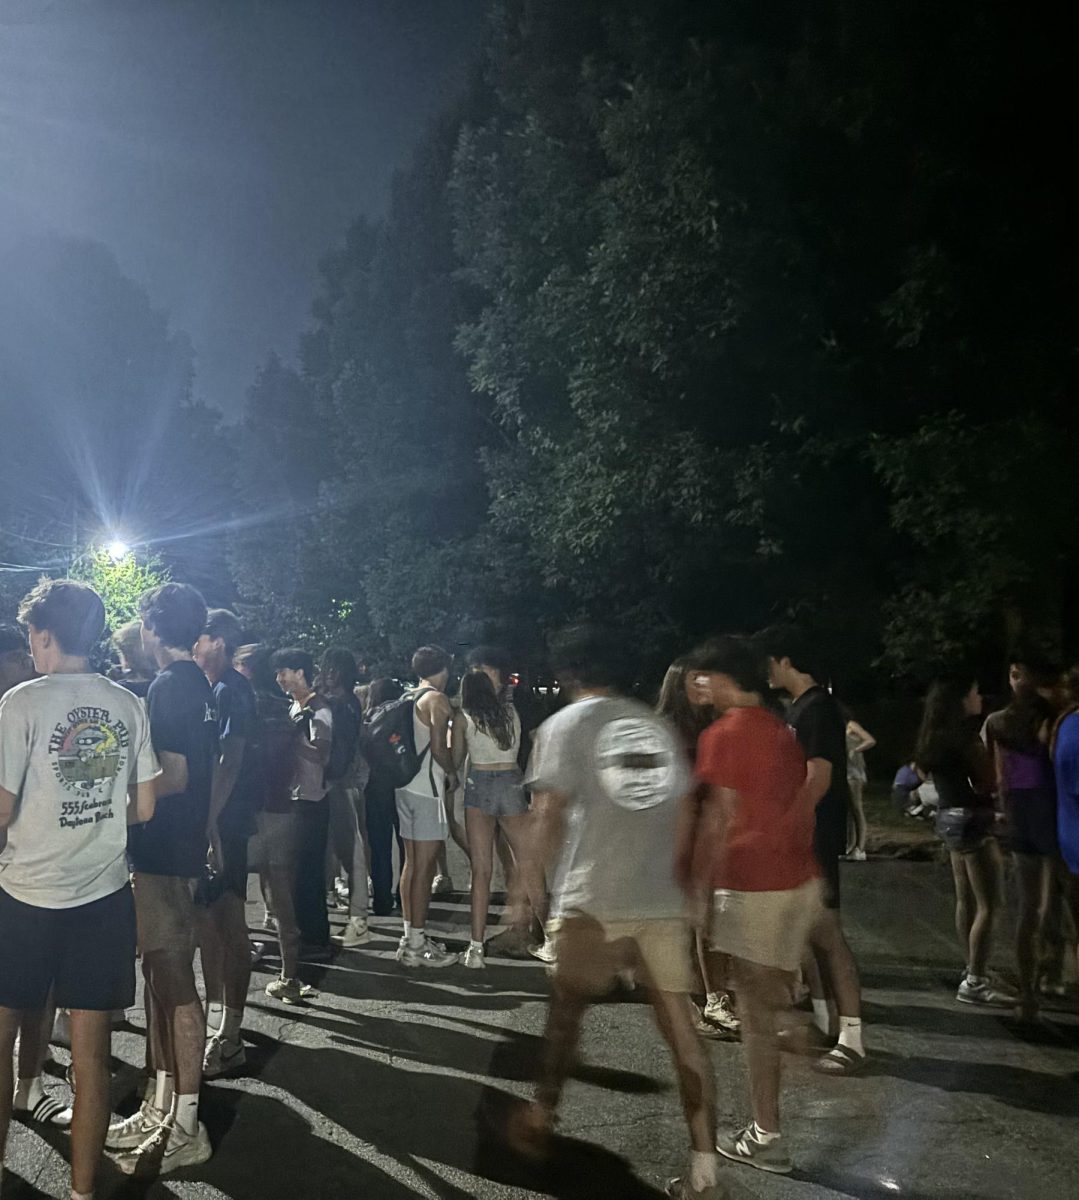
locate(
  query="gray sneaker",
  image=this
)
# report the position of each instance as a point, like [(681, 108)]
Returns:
[(745, 1147), (980, 991), (430, 954), (130, 1133)]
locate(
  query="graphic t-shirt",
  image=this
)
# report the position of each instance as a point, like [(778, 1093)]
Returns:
[(819, 726), (70, 745), (768, 840), (182, 721), (623, 774), (237, 717)]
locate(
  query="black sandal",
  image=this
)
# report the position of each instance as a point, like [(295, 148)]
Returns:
[(840, 1060)]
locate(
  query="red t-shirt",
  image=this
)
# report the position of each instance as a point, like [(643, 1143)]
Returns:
[(768, 846)]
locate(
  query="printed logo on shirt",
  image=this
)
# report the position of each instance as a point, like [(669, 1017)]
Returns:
[(636, 764), (86, 752)]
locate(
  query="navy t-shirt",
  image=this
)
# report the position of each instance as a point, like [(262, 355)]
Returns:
[(822, 733), (183, 720), (237, 717)]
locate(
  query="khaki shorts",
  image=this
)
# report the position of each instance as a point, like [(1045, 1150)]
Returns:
[(164, 912), (767, 928), (589, 954), (273, 844)]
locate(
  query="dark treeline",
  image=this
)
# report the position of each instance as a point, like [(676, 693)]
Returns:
[(695, 316)]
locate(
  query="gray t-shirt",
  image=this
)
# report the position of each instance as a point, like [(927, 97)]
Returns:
[(70, 745), (623, 773)]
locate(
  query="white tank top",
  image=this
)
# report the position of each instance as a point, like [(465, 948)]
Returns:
[(429, 768), (484, 751)]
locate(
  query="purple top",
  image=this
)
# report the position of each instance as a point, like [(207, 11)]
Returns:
[(1024, 772)]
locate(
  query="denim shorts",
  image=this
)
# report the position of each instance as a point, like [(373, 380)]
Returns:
[(496, 793)]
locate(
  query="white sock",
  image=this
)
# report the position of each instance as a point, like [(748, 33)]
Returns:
[(408, 929), (185, 1112), (215, 1014), (850, 1034), (474, 945), (820, 1015), (230, 1028), (703, 1170), (81, 1195), (28, 1092), (163, 1092), (763, 1135), (416, 938)]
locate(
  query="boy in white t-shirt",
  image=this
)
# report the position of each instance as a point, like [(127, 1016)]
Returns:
[(76, 767)]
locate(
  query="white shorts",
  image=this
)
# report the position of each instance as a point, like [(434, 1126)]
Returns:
[(422, 817), (768, 928)]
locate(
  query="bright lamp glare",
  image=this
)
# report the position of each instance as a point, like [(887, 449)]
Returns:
[(117, 550)]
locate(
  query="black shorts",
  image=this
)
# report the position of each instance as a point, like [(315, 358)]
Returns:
[(829, 846), (86, 955), (232, 879), (1031, 821)]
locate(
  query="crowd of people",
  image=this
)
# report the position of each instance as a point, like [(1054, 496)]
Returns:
[(690, 849)]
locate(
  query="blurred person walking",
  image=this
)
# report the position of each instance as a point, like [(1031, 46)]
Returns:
[(751, 861)]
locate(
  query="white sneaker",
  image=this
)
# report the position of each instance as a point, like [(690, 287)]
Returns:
[(544, 953), (130, 1133), (442, 885), (221, 1057), (168, 1148), (430, 954), (474, 958), (980, 991), (855, 855), (354, 934), (288, 991)]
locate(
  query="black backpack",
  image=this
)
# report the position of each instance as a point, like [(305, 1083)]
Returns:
[(345, 741), (389, 740)]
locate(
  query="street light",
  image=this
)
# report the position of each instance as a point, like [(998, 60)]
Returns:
[(117, 550)]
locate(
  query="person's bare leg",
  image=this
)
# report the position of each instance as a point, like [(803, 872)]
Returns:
[(506, 858), (424, 862), (696, 1081), (762, 991), (964, 905), (211, 952), (857, 811), (836, 961), (231, 925), (35, 1031), (527, 879), (170, 974), (560, 1039), (90, 1033), (983, 871), (9, 1029), (1033, 879), (404, 884), (481, 835)]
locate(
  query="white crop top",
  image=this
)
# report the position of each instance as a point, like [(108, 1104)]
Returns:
[(484, 751)]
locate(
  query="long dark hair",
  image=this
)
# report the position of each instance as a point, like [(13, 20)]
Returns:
[(1019, 725), (946, 732), (481, 702), (690, 720)]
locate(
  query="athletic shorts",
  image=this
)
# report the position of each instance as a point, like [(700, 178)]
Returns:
[(86, 955), (767, 928), (1031, 821), (421, 818), (274, 841), (165, 912), (496, 793), (589, 954)]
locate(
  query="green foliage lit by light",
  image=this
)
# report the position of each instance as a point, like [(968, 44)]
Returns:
[(120, 581)]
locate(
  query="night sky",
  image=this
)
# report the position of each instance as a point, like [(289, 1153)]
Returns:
[(219, 148)]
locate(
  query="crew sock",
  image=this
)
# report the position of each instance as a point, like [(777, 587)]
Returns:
[(215, 1014), (474, 945), (163, 1092), (416, 938), (703, 1170), (230, 1028), (850, 1034), (185, 1112)]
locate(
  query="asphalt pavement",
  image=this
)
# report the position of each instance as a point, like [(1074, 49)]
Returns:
[(394, 1083)]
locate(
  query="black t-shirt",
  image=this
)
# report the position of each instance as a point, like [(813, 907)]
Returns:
[(237, 717), (822, 733), (182, 721)]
